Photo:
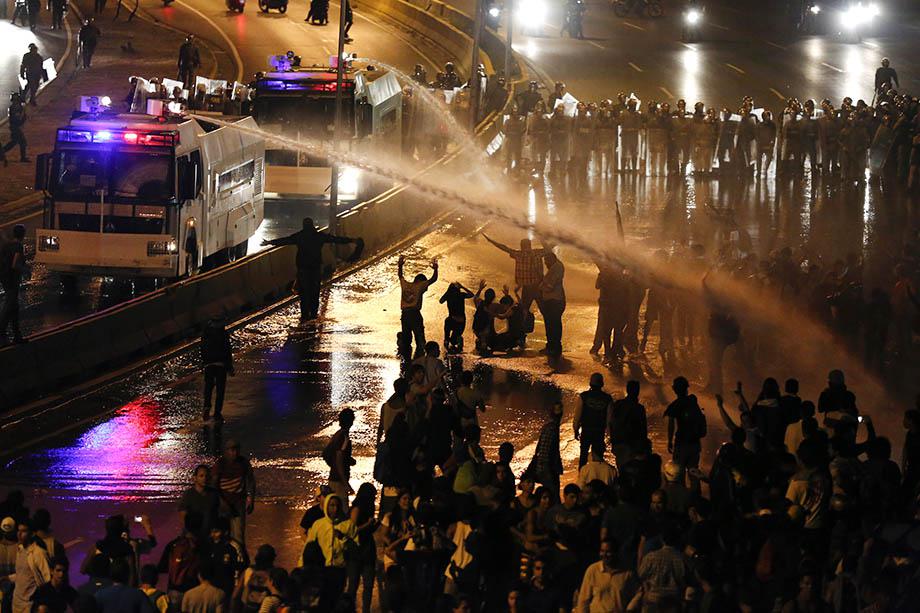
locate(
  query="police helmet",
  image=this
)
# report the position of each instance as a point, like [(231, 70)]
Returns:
[(533, 85), (449, 67), (885, 62)]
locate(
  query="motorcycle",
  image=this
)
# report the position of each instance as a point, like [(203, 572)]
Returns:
[(650, 8), (236, 5), (267, 5), (574, 17), (693, 21)]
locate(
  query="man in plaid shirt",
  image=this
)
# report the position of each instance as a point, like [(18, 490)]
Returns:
[(546, 464), (528, 269)]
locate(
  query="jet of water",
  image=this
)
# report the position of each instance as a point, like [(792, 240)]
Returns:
[(770, 318)]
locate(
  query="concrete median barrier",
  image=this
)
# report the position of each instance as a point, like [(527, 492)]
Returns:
[(83, 349)]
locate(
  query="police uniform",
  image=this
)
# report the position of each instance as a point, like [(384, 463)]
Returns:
[(630, 123), (744, 140), (657, 134), (681, 140), (515, 127), (765, 136), (606, 141), (559, 133), (583, 136), (829, 135), (538, 133), (809, 135)]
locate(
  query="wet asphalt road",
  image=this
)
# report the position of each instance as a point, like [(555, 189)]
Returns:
[(291, 381)]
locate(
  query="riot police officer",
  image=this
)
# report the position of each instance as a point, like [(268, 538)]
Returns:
[(449, 79), (527, 100), (744, 138), (681, 145), (420, 75), (809, 137), (538, 132), (605, 143), (559, 135), (631, 122), (32, 70), (726, 146), (583, 137), (765, 137), (17, 115), (558, 93), (829, 136), (514, 128)]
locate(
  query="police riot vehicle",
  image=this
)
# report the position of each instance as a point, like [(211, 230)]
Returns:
[(148, 195), (299, 102)]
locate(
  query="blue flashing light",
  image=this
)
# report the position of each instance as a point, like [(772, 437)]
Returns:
[(102, 136), (74, 136)]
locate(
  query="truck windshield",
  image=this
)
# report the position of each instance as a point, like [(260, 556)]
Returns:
[(311, 115), (132, 176)]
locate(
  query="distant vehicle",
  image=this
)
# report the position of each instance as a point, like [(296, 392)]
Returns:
[(236, 5), (267, 5), (299, 102), (145, 196)]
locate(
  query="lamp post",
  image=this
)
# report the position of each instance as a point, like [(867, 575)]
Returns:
[(475, 83), (509, 7), (337, 127)]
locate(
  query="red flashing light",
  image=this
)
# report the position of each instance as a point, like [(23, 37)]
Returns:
[(130, 138)]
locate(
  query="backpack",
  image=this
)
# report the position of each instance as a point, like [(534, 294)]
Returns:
[(382, 471), (329, 451), (695, 420), (256, 590), (183, 563)]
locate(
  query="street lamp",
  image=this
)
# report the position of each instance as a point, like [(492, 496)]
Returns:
[(337, 128)]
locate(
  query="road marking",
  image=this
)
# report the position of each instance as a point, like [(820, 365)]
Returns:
[(688, 46), (777, 93), (236, 54), (832, 67), (735, 68), (772, 44), (715, 25), (634, 67), (666, 92), (868, 44), (327, 51), (633, 26), (599, 46)]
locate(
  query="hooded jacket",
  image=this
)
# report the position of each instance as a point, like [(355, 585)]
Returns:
[(332, 535)]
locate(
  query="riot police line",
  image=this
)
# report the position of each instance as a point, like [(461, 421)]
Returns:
[(561, 135)]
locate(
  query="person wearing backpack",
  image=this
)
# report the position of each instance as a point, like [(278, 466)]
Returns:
[(149, 578), (181, 560), (337, 455), (686, 426), (12, 263), (252, 587)]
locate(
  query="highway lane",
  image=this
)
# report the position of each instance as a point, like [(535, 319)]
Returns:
[(739, 54), (253, 37)]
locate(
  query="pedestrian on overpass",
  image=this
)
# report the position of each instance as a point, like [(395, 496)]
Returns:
[(12, 262), (309, 242), (217, 363), (349, 21), (58, 10), (34, 7), (88, 38), (189, 62), (32, 70)]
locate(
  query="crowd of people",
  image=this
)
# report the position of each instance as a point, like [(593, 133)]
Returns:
[(632, 136), (798, 511)]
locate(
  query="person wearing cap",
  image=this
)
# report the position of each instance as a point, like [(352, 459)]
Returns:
[(33, 567), (32, 70), (236, 485), (12, 262)]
